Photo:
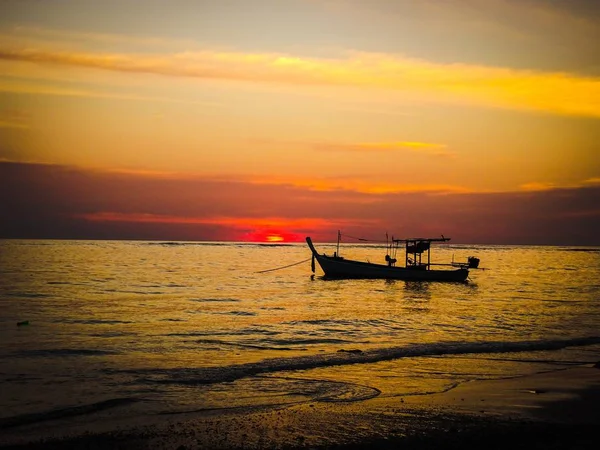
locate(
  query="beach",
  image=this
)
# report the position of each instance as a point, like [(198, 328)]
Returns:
[(556, 409)]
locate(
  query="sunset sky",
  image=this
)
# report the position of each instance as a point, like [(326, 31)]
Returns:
[(260, 120)]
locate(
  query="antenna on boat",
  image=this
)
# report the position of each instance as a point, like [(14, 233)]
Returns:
[(387, 244), (338, 242)]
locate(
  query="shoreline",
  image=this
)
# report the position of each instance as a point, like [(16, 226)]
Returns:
[(558, 409)]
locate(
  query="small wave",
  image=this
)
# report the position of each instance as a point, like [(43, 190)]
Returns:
[(27, 294), (25, 419), (340, 322), (210, 300), (236, 313), (308, 341), (557, 300), (123, 291), (221, 343), (63, 352), (168, 285), (344, 392), (212, 375), (275, 344), (93, 321), (289, 391), (585, 250), (242, 332), (113, 334), (102, 280), (336, 324)]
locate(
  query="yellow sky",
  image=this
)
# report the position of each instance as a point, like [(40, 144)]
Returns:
[(378, 97)]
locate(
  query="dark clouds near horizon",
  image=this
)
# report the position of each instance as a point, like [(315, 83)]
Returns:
[(52, 202)]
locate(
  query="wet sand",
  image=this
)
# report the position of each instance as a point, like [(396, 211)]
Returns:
[(553, 410)]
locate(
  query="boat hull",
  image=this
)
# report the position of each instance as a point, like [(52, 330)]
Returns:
[(336, 267)]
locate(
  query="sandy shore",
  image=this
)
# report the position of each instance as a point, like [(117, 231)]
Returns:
[(553, 410)]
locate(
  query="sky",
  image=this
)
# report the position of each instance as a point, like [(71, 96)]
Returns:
[(272, 120)]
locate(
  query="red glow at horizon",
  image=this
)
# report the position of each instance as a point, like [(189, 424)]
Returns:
[(271, 236), (244, 229)]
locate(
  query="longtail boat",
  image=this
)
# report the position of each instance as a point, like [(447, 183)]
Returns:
[(417, 263)]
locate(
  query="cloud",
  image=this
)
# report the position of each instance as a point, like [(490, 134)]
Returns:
[(420, 147), (546, 186), (537, 186), (41, 35), (551, 92), (357, 185), (14, 118), (338, 184), (47, 201), (43, 88), (11, 124), (489, 32)]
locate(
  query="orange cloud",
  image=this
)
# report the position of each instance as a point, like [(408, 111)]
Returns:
[(356, 184), (553, 92), (14, 118), (544, 186), (349, 184), (43, 88), (32, 35), (537, 186), (422, 147)]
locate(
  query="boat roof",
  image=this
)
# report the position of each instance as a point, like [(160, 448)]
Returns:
[(410, 240)]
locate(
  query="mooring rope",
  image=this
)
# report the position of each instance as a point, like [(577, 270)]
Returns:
[(284, 267), (362, 239)]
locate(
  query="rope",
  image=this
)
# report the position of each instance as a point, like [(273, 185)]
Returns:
[(361, 239), (284, 267)]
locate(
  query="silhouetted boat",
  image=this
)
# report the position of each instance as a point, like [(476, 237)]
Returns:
[(414, 269)]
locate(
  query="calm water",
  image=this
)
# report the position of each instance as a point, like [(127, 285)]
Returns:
[(172, 327)]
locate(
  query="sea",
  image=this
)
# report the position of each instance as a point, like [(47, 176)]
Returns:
[(94, 332)]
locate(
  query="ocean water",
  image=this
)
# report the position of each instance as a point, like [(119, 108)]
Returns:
[(148, 329)]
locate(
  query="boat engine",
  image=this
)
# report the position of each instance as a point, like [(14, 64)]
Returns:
[(473, 262), (391, 261)]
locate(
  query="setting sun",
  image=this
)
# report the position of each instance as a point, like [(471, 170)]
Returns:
[(270, 235)]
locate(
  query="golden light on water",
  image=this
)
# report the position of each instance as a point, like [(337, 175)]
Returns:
[(275, 133)]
